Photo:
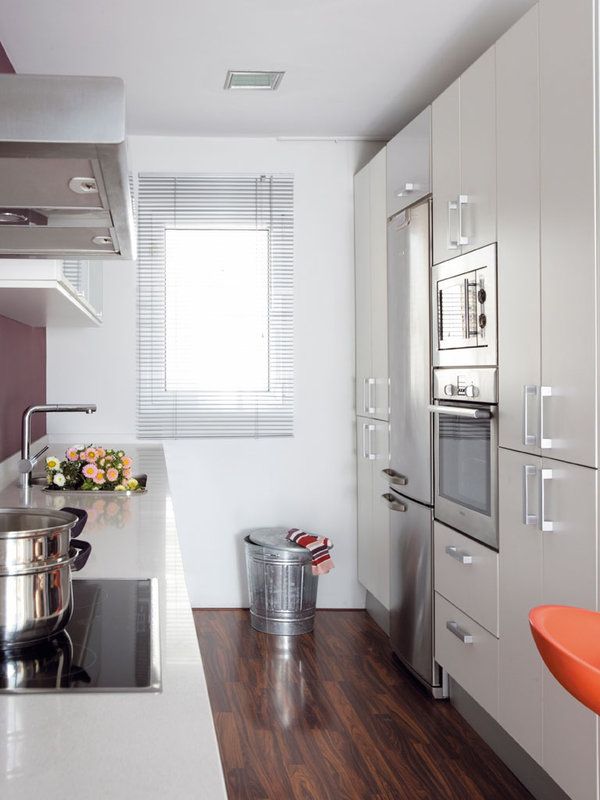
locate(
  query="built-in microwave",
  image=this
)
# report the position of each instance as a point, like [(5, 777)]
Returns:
[(464, 305)]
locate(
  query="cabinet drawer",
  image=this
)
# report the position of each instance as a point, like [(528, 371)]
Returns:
[(472, 663), (466, 573)]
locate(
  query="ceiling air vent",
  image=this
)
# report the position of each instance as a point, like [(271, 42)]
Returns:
[(252, 79)]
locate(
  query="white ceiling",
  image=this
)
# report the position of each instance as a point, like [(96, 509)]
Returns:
[(353, 67)]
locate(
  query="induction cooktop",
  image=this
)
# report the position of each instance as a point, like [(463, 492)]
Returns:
[(111, 644)]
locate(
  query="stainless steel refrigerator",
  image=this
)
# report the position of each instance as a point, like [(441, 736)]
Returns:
[(410, 497)]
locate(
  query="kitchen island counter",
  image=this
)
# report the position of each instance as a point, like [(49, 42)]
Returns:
[(97, 745)]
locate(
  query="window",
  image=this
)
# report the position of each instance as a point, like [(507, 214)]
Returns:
[(215, 305)]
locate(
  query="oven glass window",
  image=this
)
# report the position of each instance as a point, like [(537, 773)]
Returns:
[(464, 464)]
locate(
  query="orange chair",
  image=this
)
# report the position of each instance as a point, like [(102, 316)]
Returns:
[(568, 640)]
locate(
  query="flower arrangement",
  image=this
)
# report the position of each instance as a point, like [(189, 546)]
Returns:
[(92, 469)]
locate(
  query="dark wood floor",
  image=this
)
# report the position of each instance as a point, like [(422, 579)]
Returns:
[(332, 716)]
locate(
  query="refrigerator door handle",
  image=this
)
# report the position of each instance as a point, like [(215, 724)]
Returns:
[(460, 555), (460, 633), (529, 471), (392, 502), (528, 391), (395, 478)]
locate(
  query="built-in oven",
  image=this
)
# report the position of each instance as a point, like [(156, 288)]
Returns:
[(464, 306), (466, 451)]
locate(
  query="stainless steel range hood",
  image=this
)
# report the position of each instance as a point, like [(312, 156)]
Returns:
[(64, 183)]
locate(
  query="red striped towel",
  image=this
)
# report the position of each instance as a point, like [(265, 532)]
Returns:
[(318, 546)]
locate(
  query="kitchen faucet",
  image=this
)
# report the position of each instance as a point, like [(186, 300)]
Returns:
[(28, 462)]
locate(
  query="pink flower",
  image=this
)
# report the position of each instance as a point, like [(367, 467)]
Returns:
[(127, 462), (101, 452), (91, 454), (72, 454), (127, 473), (112, 474), (99, 477), (90, 471)]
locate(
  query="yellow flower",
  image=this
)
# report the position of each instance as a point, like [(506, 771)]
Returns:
[(132, 484), (52, 462), (120, 488)]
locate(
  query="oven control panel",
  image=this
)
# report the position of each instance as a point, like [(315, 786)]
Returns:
[(468, 385)]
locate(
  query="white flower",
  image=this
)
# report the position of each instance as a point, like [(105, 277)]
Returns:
[(52, 462), (59, 479)]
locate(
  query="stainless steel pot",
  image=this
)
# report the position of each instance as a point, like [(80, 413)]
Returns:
[(37, 555)]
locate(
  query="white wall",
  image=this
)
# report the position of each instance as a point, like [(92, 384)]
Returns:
[(221, 488)]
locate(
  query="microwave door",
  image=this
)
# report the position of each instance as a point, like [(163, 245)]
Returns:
[(457, 312)]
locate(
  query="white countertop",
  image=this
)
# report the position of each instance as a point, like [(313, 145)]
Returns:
[(121, 745)]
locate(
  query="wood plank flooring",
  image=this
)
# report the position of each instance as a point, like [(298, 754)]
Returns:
[(332, 716)]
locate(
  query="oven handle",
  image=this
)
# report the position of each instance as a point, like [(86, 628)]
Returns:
[(457, 411)]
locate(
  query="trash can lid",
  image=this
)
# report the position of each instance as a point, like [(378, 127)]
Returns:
[(274, 538)]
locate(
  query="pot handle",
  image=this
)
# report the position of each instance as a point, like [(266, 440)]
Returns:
[(81, 520), (80, 560)]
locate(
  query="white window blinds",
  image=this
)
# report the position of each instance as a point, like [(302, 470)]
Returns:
[(215, 305)]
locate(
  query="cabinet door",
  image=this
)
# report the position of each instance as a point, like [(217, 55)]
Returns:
[(568, 224), (477, 215), (372, 445), (378, 233), (520, 589), (362, 272), (445, 172), (519, 317), (569, 578), (364, 475), (408, 164)]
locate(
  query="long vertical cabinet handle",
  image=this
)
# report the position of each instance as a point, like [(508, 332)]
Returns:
[(369, 407), (463, 200), (367, 442), (545, 443), (452, 243), (545, 524), (529, 439), (529, 471)]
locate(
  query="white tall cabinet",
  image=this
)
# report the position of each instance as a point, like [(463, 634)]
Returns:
[(548, 493), (372, 428), (464, 162)]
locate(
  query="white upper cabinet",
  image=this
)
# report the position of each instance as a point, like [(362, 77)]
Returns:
[(370, 225), (568, 229), (409, 164), (464, 162), (519, 300), (478, 153), (445, 172)]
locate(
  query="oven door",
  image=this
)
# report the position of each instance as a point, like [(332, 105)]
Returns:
[(466, 469)]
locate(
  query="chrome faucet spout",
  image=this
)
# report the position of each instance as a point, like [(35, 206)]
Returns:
[(27, 462)]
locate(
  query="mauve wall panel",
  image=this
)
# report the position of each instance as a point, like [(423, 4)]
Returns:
[(22, 367), (22, 381)]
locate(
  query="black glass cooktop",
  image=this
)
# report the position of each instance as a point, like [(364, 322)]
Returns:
[(110, 644)]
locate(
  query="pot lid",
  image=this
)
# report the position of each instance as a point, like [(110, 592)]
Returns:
[(275, 539)]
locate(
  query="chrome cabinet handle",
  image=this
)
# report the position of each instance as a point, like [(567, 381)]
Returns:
[(392, 502), (369, 407), (367, 442), (394, 477), (459, 632), (408, 188), (458, 411), (529, 471), (463, 200), (528, 438), (546, 525), (459, 555), (453, 244), (545, 443)]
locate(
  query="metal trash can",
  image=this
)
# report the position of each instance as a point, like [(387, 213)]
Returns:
[(283, 590)]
